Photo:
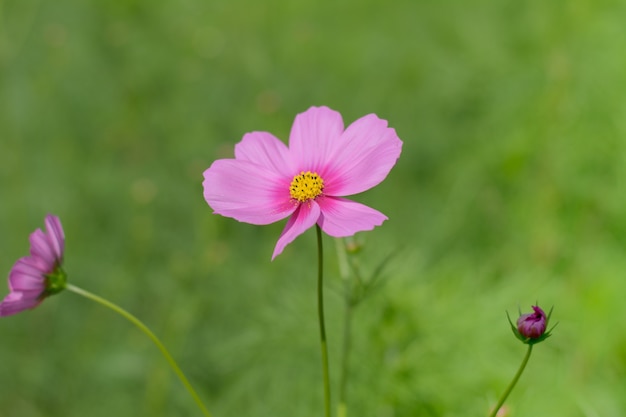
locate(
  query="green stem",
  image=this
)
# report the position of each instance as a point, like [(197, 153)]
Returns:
[(345, 355), (320, 315), (513, 382), (344, 269), (168, 357)]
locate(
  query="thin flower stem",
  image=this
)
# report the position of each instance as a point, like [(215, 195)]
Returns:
[(344, 269), (320, 315), (168, 357), (513, 382), (345, 356)]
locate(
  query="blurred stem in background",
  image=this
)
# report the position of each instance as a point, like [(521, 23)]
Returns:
[(320, 315), (344, 271), (168, 357), (355, 290)]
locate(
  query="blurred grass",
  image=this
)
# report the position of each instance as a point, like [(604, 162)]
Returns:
[(510, 190)]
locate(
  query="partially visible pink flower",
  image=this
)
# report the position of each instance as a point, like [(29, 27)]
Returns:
[(268, 181), (502, 411), (39, 275)]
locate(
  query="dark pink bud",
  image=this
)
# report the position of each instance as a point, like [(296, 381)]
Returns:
[(532, 325)]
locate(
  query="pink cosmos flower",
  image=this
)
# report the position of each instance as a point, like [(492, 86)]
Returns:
[(39, 275), (268, 181)]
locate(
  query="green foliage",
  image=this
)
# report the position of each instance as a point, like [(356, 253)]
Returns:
[(510, 190)]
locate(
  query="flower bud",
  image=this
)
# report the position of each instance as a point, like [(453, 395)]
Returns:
[(532, 325)]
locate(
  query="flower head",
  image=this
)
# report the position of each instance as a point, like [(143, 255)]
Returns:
[(307, 181), (39, 275), (531, 327)]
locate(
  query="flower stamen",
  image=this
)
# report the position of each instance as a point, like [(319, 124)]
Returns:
[(306, 186)]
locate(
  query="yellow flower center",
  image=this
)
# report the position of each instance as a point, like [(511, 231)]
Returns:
[(306, 186)]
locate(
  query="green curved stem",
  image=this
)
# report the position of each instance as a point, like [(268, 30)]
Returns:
[(320, 316), (168, 357), (513, 382)]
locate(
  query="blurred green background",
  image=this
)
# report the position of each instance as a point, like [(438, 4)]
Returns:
[(510, 190)]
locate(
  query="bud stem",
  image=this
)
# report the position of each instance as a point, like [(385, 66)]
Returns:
[(513, 382), (168, 357)]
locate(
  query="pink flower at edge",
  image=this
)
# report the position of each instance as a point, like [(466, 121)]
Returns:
[(38, 275), (268, 181)]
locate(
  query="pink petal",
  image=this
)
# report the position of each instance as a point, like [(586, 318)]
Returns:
[(16, 302), (33, 265), (303, 218), (56, 237), (40, 247), (314, 136), (247, 192), (27, 283), (26, 276), (265, 149), (368, 151), (341, 217)]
